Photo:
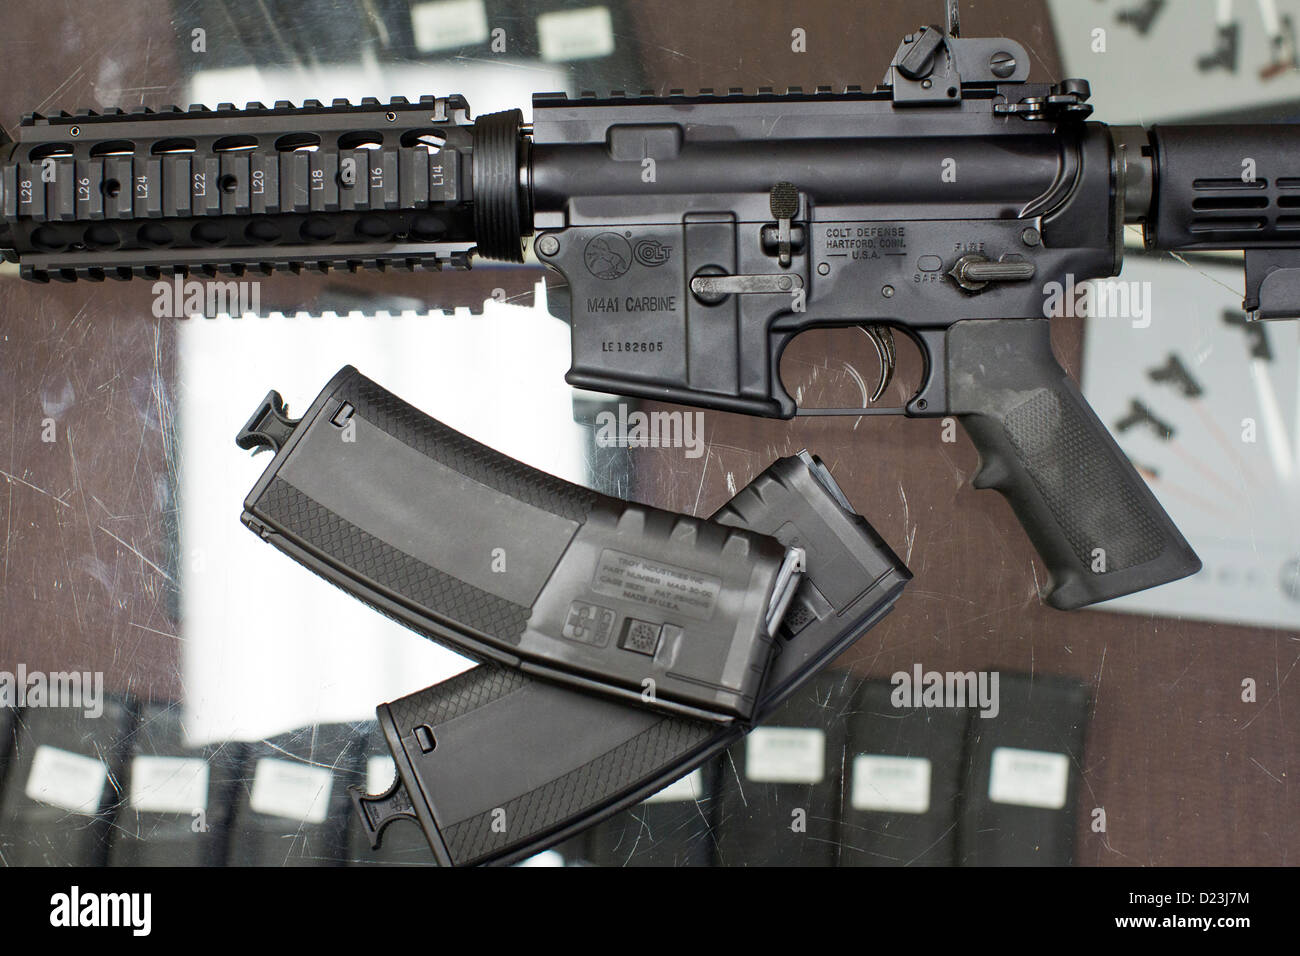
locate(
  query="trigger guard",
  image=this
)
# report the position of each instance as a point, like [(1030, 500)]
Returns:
[(777, 343), (930, 399)]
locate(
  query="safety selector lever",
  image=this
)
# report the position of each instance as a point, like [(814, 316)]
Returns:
[(974, 272)]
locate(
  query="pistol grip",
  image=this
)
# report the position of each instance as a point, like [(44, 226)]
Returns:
[(1091, 517)]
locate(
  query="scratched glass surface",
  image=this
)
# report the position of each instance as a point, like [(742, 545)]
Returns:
[(224, 697)]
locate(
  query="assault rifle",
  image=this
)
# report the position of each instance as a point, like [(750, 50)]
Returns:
[(697, 235)]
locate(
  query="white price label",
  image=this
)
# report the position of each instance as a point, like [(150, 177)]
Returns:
[(785, 755), (1029, 778), (61, 778), (444, 24), (169, 784), (294, 791), (575, 34), (890, 784)]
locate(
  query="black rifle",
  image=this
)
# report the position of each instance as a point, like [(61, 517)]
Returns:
[(698, 235)]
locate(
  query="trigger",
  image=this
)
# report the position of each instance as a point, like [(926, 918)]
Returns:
[(882, 337)]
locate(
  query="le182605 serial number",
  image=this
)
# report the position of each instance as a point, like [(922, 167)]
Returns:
[(610, 345)]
